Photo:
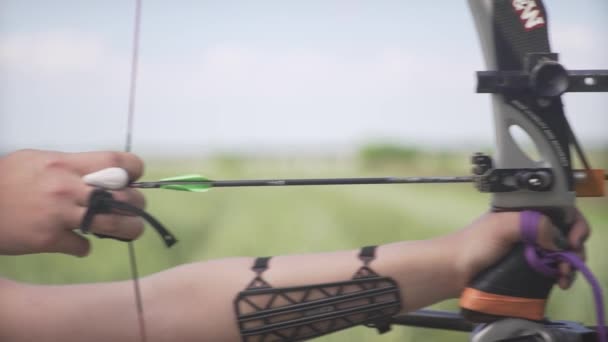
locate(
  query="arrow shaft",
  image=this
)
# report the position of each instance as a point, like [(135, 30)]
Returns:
[(308, 182), (579, 176)]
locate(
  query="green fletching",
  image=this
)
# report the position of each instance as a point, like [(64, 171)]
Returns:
[(202, 185)]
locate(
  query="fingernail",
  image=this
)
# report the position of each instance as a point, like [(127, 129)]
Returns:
[(563, 283), (580, 242), (561, 242)]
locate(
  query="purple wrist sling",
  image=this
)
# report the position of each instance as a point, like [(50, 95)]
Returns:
[(545, 262)]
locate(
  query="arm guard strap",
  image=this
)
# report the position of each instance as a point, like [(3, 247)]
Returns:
[(297, 313)]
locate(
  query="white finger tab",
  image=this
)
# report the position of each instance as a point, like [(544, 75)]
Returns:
[(112, 178)]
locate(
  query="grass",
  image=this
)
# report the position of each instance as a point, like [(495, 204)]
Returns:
[(273, 221)]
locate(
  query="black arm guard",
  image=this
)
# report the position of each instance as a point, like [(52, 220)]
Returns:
[(303, 312)]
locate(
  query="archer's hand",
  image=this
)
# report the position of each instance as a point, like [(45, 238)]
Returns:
[(43, 199), (490, 237)]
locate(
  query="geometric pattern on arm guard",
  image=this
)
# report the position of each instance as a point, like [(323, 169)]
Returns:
[(298, 313)]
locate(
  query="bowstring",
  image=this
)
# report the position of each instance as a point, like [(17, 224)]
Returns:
[(128, 144)]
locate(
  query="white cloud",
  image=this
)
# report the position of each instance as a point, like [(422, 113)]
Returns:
[(51, 53), (222, 70), (392, 91), (232, 70)]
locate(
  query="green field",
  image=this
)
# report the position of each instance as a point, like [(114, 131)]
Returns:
[(273, 221)]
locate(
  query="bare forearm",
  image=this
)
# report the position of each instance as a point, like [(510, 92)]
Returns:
[(194, 302), (67, 312), (424, 271)]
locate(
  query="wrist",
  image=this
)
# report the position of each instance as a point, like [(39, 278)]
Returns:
[(481, 244), (425, 270), (453, 261)]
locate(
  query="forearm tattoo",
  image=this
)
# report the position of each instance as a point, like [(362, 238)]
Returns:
[(298, 313)]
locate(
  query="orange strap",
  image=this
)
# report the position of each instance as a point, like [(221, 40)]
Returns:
[(499, 305)]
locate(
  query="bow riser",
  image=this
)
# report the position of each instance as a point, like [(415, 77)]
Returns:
[(514, 39)]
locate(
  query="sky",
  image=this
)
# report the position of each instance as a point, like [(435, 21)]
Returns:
[(316, 75)]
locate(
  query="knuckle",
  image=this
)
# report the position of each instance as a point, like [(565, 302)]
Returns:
[(139, 199), (59, 189), (138, 163), (112, 158), (54, 162)]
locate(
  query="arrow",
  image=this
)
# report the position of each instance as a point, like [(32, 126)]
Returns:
[(116, 178), (198, 183)]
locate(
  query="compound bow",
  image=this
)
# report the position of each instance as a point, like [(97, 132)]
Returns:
[(526, 82)]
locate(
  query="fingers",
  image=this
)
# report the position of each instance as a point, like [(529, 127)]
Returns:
[(580, 231), (119, 225), (87, 162), (131, 196), (123, 226), (549, 237), (67, 242), (61, 199), (115, 225), (565, 275), (72, 243)]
